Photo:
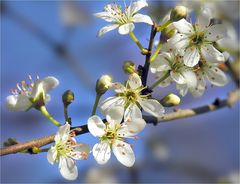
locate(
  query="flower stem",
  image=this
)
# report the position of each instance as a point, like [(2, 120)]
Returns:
[(155, 84), (44, 111), (163, 26), (159, 46), (97, 98), (134, 38)]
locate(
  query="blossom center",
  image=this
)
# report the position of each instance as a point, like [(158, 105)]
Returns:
[(198, 38)]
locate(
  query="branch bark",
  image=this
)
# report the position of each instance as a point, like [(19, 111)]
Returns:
[(233, 97)]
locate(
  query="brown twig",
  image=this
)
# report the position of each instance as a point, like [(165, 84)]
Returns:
[(233, 97)]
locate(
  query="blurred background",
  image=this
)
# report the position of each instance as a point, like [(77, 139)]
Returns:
[(58, 38)]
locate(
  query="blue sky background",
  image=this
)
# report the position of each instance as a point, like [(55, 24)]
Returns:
[(201, 149)]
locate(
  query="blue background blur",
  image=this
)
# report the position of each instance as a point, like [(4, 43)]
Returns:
[(198, 149)]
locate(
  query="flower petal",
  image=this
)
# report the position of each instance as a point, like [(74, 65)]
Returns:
[(115, 115), (177, 77), (190, 78), (80, 151), (52, 155), (162, 63), (136, 6), (216, 76), (118, 87), (152, 106), (126, 28), (211, 54), (106, 29), (200, 88), (178, 41), (164, 83), (191, 57), (96, 126), (18, 103), (183, 88), (134, 81), (183, 26), (123, 153), (215, 32), (131, 127), (68, 168), (132, 112), (102, 152), (63, 133), (105, 16), (110, 102), (142, 18), (49, 83), (203, 20)]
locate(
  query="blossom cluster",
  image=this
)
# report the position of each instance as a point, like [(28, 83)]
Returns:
[(189, 57)]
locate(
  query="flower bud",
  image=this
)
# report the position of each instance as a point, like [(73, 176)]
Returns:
[(178, 13), (170, 100), (67, 97), (11, 141), (129, 67), (103, 84)]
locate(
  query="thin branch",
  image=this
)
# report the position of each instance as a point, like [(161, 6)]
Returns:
[(233, 97), (148, 56)]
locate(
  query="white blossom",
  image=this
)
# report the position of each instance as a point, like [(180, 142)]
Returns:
[(123, 20), (65, 151), (27, 95), (172, 63), (130, 97), (197, 40), (211, 73), (112, 136)]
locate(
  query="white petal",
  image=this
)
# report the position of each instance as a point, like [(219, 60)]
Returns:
[(123, 153), (162, 63), (131, 127), (136, 6), (118, 87), (142, 18), (200, 88), (105, 16), (49, 83), (110, 102), (80, 151), (164, 83), (152, 106), (203, 20), (190, 78), (191, 57), (68, 168), (106, 29), (52, 155), (134, 81), (177, 77), (96, 126), (126, 28), (101, 152), (216, 76), (132, 112), (178, 41), (115, 115), (183, 26), (215, 32), (38, 90), (183, 89), (63, 133), (211, 54), (18, 103)]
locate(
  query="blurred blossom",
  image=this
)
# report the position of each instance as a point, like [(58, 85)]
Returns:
[(100, 175), (72, 14), (231, 41), (234, 177), (160, 150)]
